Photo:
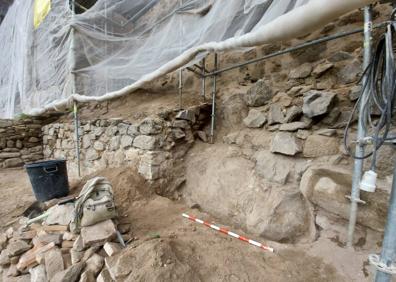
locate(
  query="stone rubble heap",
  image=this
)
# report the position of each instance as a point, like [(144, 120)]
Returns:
[(20, 142), (49, 252)]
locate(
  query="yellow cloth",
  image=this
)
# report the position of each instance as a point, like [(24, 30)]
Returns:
[(41, 10)]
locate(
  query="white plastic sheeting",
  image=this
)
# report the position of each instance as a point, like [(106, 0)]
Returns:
[(118, 45)]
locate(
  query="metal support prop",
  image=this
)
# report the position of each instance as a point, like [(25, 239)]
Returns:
[(388, 254), (77, 136), (361, 133), (203, 79), (212, 125), (181, 89), (73, 87)]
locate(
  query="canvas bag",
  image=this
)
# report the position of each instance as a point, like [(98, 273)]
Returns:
[(94, 204)]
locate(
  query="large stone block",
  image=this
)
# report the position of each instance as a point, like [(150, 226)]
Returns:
[(317, 103), (318, 145), (259, 94), (150, 126), (285, 143), (327, 186), (255, 119), (145, 142), (99, 233)]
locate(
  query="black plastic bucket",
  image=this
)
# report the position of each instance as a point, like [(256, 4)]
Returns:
[(49, 179)]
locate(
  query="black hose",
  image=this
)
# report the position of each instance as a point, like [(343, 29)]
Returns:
[(380, 101)]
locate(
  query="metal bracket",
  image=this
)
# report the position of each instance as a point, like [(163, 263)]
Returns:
[(380, 266), (360, 201)]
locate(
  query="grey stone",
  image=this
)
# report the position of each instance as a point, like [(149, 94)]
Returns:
[(293, 126), (317, 103), (317, 146), (60, 214), (94, 264), (13, 271), (234, 110), (98, 131), (38, 274), (188, 115), (301, 71), (99, 146), (349, 73), (178, 133), (259, 94), (149, 171), (354, 93), (275, 114), (9, 155), (285, 143), (126, 141), (321, 69), (180, 124), (71, 274), (4, 258), (87, 276), (111, 131), (86, 141), (292, 114), (302, 134), (99, 233), (202, 135), (122, 128), (326, 132), (115, 143), (332, 117), (340, 56), (17, 247), (104, 276), (150, 126), (255, 119), (91, 154), (53, 263), (33, 139), (133, 130), (19, 144), (274, 168), (145, 142)]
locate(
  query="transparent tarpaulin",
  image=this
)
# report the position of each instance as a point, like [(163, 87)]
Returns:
[(114, 43)]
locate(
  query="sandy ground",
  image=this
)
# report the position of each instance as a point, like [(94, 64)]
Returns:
[(206, 254)]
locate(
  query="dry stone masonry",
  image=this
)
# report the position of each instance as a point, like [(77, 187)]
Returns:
[(153, 146), (20, 142)]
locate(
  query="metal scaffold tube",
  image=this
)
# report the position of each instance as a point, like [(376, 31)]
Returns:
[(72, 62), (213, 120), (180, 89), (388, 254), (203, 79), (361, 133)]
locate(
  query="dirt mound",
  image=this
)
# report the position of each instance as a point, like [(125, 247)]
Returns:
[(153, 260)]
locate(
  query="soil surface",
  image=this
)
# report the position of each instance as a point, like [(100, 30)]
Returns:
[(168, 247)]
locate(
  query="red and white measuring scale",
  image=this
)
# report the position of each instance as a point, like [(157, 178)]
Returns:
[(225, 231)]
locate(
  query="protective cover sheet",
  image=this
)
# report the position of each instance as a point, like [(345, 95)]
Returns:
[(116, 42)]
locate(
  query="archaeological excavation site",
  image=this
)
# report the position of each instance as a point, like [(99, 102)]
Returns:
[(197, 140)]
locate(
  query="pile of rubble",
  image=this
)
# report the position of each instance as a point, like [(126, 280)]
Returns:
[(50, 252)]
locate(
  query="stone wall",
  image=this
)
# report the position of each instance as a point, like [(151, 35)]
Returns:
[(20, 142), (279, 165), (153, 146)]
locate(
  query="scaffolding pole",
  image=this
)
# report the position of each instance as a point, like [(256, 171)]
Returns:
[(388, 254), (213, 116), (361, 133), (72, 62)]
